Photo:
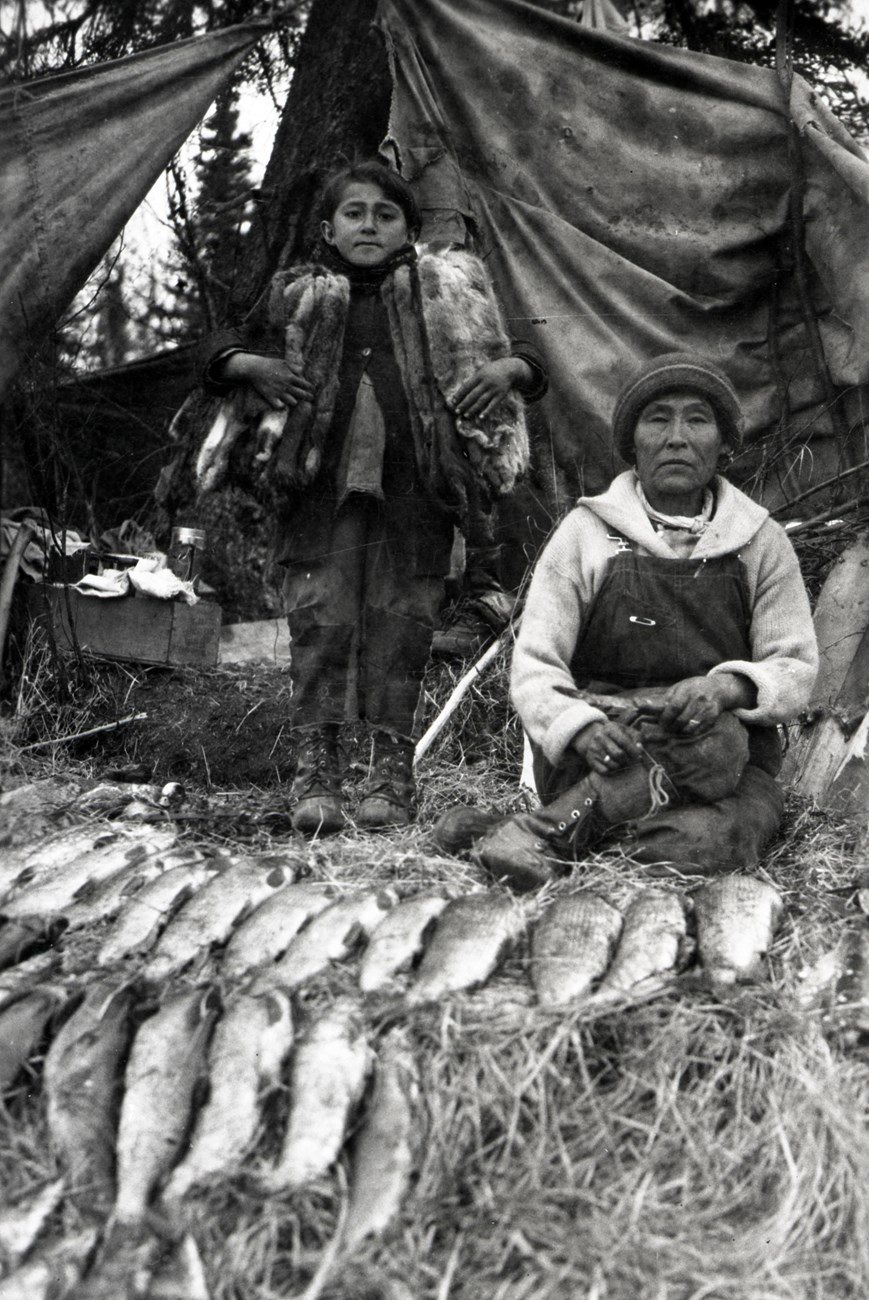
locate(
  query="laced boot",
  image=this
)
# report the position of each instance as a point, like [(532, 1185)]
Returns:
[(529, 849), (388, 796), (317, 783)]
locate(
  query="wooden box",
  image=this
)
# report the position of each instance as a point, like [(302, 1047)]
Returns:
[(135, 628)]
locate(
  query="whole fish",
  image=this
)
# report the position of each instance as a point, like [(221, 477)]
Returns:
[(21, 867), (329, 937), (167, 1062), (245, 1056), (268, 931), (82, 1083), (471, 936), (56, 888), (210, 916), (144, 917), (736, 919), (652, 940), (386, 1144), (398, 939), (22, 1028), (571, 946), (327, 1078)]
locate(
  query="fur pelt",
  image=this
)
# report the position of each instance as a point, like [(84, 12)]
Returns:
[(444, 324)]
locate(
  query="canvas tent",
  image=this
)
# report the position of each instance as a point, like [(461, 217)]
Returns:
[(78, 154), (634, 199), (629, 197)]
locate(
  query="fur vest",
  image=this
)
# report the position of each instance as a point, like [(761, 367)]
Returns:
[(444, 324)]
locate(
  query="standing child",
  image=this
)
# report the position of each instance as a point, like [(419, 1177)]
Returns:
[(390, 389)]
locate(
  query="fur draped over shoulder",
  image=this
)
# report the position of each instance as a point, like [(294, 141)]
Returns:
[(444, 324)]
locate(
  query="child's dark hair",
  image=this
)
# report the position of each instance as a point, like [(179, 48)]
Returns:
[(371, 173)]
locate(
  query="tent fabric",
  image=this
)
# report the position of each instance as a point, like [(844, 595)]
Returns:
[(78, 154), (633, 199)]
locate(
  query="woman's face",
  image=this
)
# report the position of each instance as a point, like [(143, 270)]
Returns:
[(677, 444)]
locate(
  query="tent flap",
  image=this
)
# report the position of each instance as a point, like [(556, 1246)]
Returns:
[(632, 199), (78, 153)]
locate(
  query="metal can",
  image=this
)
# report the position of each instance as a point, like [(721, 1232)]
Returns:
[(185, 552)]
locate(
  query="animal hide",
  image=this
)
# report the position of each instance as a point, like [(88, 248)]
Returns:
[(444, 323)]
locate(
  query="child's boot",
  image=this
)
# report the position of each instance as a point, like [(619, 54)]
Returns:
[(317, 784), (388, 796)]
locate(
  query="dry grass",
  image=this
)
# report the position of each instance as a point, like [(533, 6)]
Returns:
[(692, 1147)]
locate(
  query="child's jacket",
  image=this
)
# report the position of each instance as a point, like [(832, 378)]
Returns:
[(379, 412)]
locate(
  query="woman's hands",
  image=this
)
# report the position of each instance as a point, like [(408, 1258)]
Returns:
[(490, 384), (690, 708), (278, 382), (607, 746)]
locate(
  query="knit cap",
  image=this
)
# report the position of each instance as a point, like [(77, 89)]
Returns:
[(664, 374)]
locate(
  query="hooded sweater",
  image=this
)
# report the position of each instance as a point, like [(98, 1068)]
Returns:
[(569, 574)]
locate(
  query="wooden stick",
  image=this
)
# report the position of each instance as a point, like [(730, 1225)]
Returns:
[(459, 691), (80, 735)]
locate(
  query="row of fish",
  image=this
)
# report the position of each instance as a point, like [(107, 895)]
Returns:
[(165, 908), (122, 1107)]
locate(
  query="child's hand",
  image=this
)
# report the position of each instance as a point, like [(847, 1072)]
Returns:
[(489, 385), (277, 382)]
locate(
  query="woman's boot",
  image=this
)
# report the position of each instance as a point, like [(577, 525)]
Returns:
[(529, 849), (317, 783), (388, 796)]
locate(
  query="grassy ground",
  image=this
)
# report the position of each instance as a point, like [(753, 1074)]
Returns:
[(695, 1146)]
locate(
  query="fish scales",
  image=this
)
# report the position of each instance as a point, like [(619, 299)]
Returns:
[(212, 913), (107, 899), (329, 936), (21, 1224), (249, 1045), (22, 1027), (54, 1272), (57, 888), (572, 945), (26, 866), (653, 934), (143, 918), (386, 1144), (83, 1075), (471, 936), (328, 1071), (736, 919), (268, 931), (398, 939), (167, 1061), (19, 979)]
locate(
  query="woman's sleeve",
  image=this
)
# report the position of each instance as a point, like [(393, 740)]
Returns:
[(543, 689), (784, 660)]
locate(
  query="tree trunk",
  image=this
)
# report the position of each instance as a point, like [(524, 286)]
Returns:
[(336, 112)]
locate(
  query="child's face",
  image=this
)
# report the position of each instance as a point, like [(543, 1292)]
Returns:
[(366, 227)]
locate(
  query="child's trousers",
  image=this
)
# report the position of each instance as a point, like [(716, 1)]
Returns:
[(362, 617)]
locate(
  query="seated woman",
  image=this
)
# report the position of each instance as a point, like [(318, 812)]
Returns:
[(666, 634)]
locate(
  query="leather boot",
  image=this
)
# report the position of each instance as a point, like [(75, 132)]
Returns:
[(388, 796), (529, 849), (317, 783)]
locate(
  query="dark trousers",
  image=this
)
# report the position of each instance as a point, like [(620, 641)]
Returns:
[(362, 617)]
